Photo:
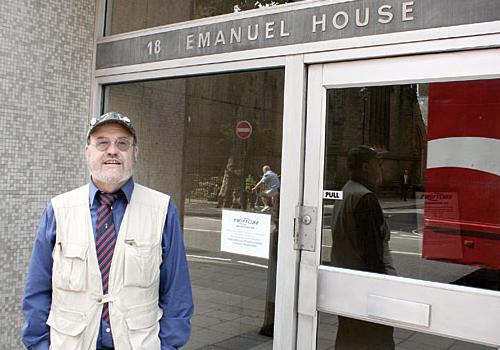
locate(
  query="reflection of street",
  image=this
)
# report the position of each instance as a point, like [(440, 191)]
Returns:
[(230, 296), (405, 222), (404, 339), (202, 226), (229, 289)]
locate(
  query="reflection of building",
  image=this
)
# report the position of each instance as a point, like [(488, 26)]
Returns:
[(388, 118), (201, 114), (214, 107), (126, 16)]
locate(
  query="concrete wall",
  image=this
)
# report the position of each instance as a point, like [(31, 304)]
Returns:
[(45, 64)]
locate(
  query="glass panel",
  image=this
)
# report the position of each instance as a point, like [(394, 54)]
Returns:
[(342, 333), (423, 203), (126, 15), (190, 147)]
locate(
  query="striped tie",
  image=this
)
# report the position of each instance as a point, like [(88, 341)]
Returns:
[(105, 240)]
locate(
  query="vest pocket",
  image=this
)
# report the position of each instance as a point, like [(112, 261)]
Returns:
[(144, 328), (66, 329), (70, 266), (142, 264)]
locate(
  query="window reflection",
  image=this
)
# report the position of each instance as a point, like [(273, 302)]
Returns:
[(377, 337), (438, 146), (129, 15), (190, 150)]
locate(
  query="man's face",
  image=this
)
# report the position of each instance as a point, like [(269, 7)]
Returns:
[(110, 168)]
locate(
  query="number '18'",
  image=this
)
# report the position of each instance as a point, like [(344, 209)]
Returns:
[(154, 47)]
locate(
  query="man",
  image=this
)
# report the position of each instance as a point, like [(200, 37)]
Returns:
[(405, 185), (108, 268), (272, 187), (361, 241)]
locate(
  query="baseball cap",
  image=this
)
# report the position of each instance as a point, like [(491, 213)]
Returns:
[(361, 154), (108, 118)]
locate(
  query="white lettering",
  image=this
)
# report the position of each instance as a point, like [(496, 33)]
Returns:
[(364, 15), (388, 14), (322, 22), (336, 23), (204, 40), (366, 20), (154, 47), (255, 35), (189, 42), (406, 10), (235, 35), (269, 30), (220, 39), (283, 32)]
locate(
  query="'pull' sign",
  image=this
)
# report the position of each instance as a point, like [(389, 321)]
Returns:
[(333, 195)]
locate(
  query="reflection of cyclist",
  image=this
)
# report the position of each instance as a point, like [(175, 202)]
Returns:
[(361, 241), (272, 183)]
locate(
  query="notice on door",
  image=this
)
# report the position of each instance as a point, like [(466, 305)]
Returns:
[(441, 220), (245, 233)]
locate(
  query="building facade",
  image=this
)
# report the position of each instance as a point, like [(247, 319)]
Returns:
[(46, 69), (217, 90)]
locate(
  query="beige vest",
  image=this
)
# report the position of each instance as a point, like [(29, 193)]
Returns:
[(77, 297)]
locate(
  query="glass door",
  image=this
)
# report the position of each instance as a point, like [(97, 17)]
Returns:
[(403, 167), (213, 142)]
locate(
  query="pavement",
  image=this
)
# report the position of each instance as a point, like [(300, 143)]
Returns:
[(230, 299)]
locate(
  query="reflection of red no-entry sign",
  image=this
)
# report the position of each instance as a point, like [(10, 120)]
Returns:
[(243, 129)]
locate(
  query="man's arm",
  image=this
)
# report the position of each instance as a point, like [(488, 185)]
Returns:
[(38, 288), (369, 218), (258, 184), (175, 287)]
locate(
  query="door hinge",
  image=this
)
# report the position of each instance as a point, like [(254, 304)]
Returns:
[(305, 228)]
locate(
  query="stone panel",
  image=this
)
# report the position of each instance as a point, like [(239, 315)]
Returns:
[(45, 69)]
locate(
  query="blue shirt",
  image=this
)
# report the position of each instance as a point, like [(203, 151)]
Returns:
[(271, 180), (175, 297)]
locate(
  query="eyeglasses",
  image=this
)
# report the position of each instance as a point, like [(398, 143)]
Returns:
[(103, 144)]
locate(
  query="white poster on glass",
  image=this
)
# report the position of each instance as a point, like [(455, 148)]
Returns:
[(245, 233)]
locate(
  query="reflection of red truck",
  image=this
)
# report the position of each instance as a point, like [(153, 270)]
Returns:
[(462, 179)]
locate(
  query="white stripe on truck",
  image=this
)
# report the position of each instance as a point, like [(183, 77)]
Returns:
[(478, 153)]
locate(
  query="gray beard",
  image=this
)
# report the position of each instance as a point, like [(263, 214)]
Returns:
[(111, 181)]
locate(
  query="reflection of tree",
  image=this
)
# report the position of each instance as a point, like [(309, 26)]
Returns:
[(207, 8), (387, 117), (241, 161), (242, 5)]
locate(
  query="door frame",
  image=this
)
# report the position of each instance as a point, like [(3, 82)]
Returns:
[(293, 127), (440, 307)]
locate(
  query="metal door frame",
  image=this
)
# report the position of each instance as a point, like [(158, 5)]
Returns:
[(322, 288)]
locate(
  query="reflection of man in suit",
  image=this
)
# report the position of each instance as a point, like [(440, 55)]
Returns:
[(361, 241), (405, 185)]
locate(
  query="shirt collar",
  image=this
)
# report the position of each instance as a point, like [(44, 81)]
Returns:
[(127, 189)]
